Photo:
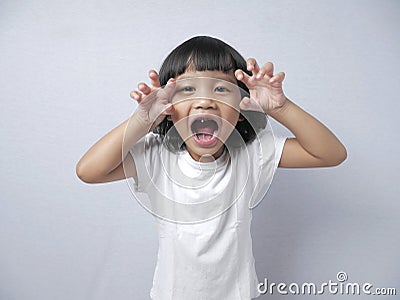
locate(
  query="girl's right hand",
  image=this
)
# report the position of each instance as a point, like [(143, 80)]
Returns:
[(153, 101)]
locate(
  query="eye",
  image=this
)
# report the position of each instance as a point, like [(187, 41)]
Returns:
[(187, 89), (221, 89)]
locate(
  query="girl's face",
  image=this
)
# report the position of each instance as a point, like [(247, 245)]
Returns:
[(206, 110)]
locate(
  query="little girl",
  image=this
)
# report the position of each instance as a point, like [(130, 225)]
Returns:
[(200, 151)]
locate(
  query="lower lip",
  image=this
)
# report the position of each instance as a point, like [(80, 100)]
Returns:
[(204, 143)]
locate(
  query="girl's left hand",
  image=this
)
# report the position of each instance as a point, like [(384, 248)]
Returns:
[(265, 88)]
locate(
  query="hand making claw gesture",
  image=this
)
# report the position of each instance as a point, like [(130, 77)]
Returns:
[(265, 88), (153, 101)]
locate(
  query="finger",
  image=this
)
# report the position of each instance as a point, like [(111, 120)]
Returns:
[(154, 79), (249, 104), (242, 76), (278, 78), (266, 69), (169, 87), (169, 109), (136, 96), (144, 88), (252, 66)]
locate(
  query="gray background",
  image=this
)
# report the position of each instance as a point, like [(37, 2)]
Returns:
[(67, 68)]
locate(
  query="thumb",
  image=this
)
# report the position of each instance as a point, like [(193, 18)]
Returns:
[(250, 104), (169, 109)]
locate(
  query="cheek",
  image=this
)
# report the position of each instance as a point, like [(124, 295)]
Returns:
[(178, 112), (230, 120), (232, 116), (230, 104), (181, 123), (234, 101)]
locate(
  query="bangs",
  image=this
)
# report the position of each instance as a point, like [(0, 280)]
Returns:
[(211, 60), (200, 54)]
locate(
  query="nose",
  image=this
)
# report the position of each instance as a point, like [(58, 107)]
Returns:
[(204, 103)]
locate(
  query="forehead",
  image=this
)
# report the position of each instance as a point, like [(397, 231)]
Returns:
[(230, 77)]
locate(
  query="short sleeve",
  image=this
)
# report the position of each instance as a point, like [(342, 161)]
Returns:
[(279, 144), (145, 154), (264, 155)]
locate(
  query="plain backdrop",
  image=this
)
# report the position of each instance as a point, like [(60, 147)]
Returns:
[(67, 68)]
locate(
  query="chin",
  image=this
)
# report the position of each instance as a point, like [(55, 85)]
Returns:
[(197, 151)]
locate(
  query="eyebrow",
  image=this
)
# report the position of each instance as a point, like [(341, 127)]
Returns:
[(216, 78)]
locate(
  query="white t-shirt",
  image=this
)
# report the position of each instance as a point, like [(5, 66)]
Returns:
[(204, 216)]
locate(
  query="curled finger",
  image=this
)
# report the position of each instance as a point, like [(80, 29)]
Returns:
[(154, 79), (252, 65), (266, 69), (144, 88), (136, 96), (242, 76), (278, 78)]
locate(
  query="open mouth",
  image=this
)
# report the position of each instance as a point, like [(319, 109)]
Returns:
[(205, 129)]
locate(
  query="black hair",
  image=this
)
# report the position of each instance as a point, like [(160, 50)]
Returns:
[(204, 53)]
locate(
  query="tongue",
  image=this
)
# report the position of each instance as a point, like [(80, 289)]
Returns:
[(204, 137), (207, 130), (205, 133)]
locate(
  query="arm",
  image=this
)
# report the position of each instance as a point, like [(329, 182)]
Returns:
[(106, 160), (314, 144), (103, 161)]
